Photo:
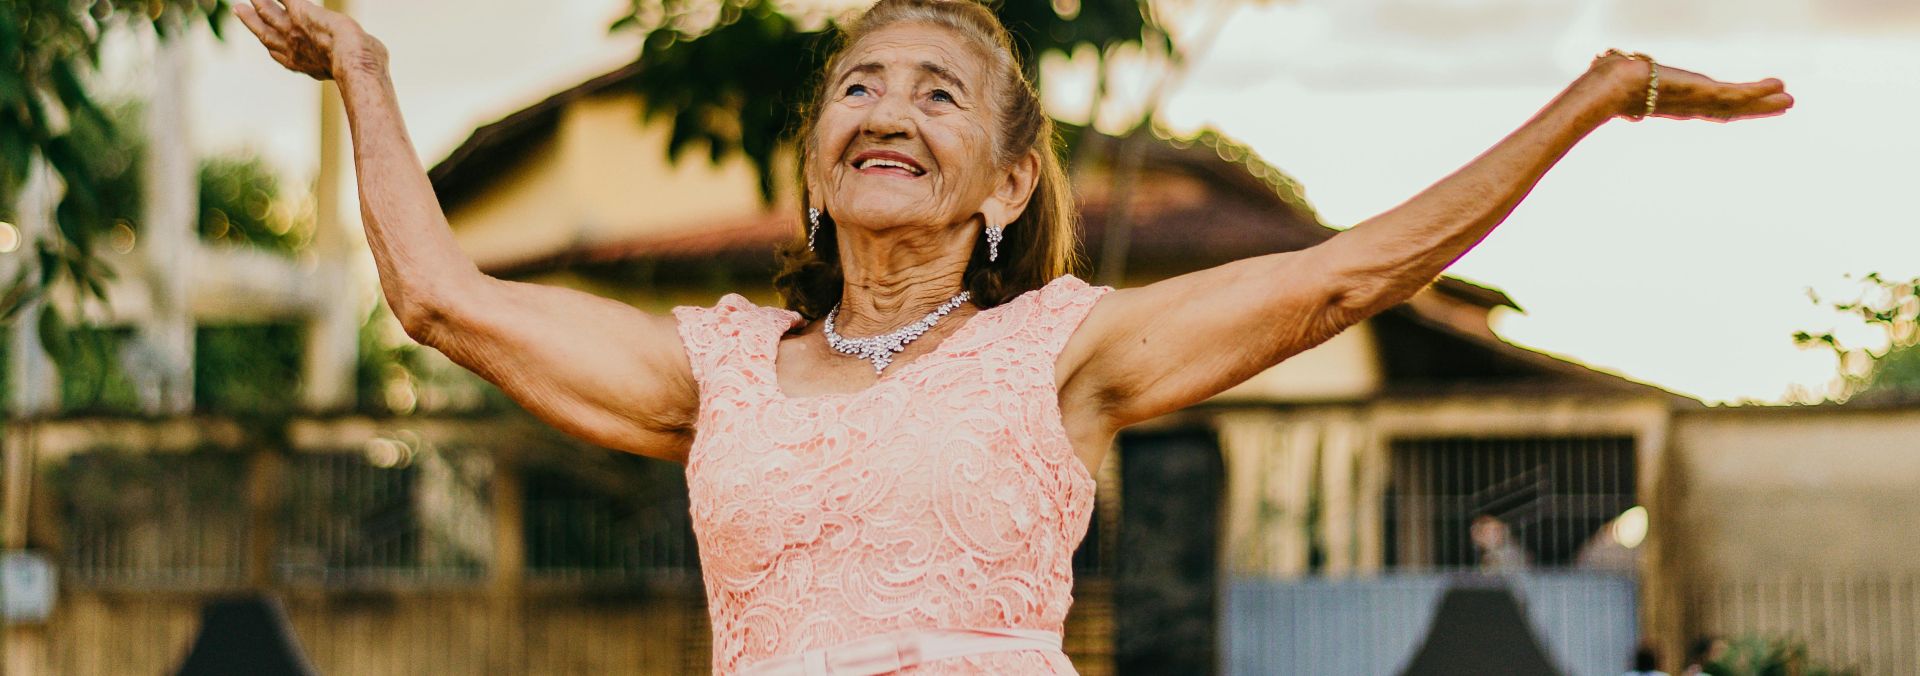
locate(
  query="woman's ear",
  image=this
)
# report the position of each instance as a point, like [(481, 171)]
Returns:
[(811, 182), (809, 189), (1009, 199)]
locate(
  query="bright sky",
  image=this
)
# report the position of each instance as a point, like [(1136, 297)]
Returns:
[(1676, 253)]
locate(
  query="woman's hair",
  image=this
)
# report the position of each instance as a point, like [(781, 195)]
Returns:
[(1038, 246)]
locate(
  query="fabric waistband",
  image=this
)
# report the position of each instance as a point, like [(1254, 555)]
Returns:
[(893, 651)]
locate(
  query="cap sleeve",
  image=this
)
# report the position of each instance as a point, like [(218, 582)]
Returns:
[(720, 339), (1062, 305)]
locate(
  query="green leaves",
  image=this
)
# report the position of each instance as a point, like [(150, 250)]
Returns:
[(238, 198), (1756, 655), (731, 87), (53, 334), (1889, 307), (732, 78), (46, 49)]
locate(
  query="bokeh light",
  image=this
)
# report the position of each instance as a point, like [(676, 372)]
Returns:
[(9, 237)]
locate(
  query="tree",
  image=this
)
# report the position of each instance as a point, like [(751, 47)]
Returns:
[(47, 48), (240, 201), (733, 77), (1889, 365), (240, 204)]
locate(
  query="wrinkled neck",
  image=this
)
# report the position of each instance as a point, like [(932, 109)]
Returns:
[(894, 278)]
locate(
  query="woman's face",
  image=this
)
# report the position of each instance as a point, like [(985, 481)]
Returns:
[(905, 136)]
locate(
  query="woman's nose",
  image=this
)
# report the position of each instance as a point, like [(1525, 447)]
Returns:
[(891, 116)]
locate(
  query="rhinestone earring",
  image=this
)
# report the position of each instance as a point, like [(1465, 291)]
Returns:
[(813, 225), (993, 242)]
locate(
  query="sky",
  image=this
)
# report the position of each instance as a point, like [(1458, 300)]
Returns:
[(1677, 253)]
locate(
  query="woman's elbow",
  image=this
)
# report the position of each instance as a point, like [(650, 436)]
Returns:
[(422, 320), (1355, 300), (425, 314)]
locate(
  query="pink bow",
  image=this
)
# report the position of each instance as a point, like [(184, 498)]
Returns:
[(882, 654), (893, 651)]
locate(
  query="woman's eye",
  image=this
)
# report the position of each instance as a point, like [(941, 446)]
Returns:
[(941, 95), (858, 89)]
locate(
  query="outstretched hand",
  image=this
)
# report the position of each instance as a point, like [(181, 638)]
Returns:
[(1686, 95), (308, 38)]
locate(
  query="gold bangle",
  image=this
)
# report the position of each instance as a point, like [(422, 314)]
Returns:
[(1653, 79)]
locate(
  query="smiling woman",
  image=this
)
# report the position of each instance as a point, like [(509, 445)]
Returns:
[(982, 122), (911, 498)]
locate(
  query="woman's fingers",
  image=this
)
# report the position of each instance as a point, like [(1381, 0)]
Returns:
[(1695, 96), (1768, 105), (274, 14), (273, 40), (292, 48), (295, 8), (251, 20), (1763, 99), (309, 17), (1772, 104)]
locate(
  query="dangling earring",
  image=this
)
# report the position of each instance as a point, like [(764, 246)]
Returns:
[(993, 243), (813, 225)]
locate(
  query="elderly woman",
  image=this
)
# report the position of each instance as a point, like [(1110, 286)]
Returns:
[(892, 471)]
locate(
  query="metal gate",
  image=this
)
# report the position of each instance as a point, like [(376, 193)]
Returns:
[(1552, 520)]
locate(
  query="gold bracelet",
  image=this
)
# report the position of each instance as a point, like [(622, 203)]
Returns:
[(1653, 78)]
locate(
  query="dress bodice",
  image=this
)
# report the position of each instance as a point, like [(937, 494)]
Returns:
[(945, 495)]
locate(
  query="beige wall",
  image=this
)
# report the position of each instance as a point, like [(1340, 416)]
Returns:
[(1822, 489), (605, 177), (1801, 523)]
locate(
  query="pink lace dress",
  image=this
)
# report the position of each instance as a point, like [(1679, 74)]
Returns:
[(946, 495)]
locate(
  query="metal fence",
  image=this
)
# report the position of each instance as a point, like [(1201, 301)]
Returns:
[(382, 554), (1866, 622), (386, 515), (1550, 496), (629, 526), (175, 521)]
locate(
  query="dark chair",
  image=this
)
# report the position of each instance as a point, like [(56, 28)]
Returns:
[(1478, 630), (248, 635)]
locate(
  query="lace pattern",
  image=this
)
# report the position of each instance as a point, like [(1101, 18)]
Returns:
[(944, 495)]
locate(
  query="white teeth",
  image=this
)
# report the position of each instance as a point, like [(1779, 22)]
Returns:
[(878, 162)]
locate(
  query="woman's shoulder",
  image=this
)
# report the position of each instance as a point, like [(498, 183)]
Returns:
[(733, 309), (1066, 293), (1054, 310)]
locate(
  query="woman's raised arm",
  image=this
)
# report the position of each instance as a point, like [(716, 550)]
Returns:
[(592, 367), (1161, 347)]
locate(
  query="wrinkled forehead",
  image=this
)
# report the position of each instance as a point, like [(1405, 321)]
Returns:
[(919, 49)]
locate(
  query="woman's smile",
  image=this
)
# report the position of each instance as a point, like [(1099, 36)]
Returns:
[(887, 163)]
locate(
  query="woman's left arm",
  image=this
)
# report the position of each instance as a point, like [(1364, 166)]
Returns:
[(1161, 347)]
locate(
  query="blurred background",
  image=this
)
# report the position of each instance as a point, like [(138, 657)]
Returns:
[(1701, 436)]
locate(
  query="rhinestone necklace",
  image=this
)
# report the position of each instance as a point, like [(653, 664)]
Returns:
[(880, 349)]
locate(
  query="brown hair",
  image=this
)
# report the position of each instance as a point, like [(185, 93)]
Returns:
[(1039, 245)]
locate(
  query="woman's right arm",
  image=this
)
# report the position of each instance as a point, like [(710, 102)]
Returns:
[(595, 368)]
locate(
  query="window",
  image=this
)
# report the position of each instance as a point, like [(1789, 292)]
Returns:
[(1543, 498)]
